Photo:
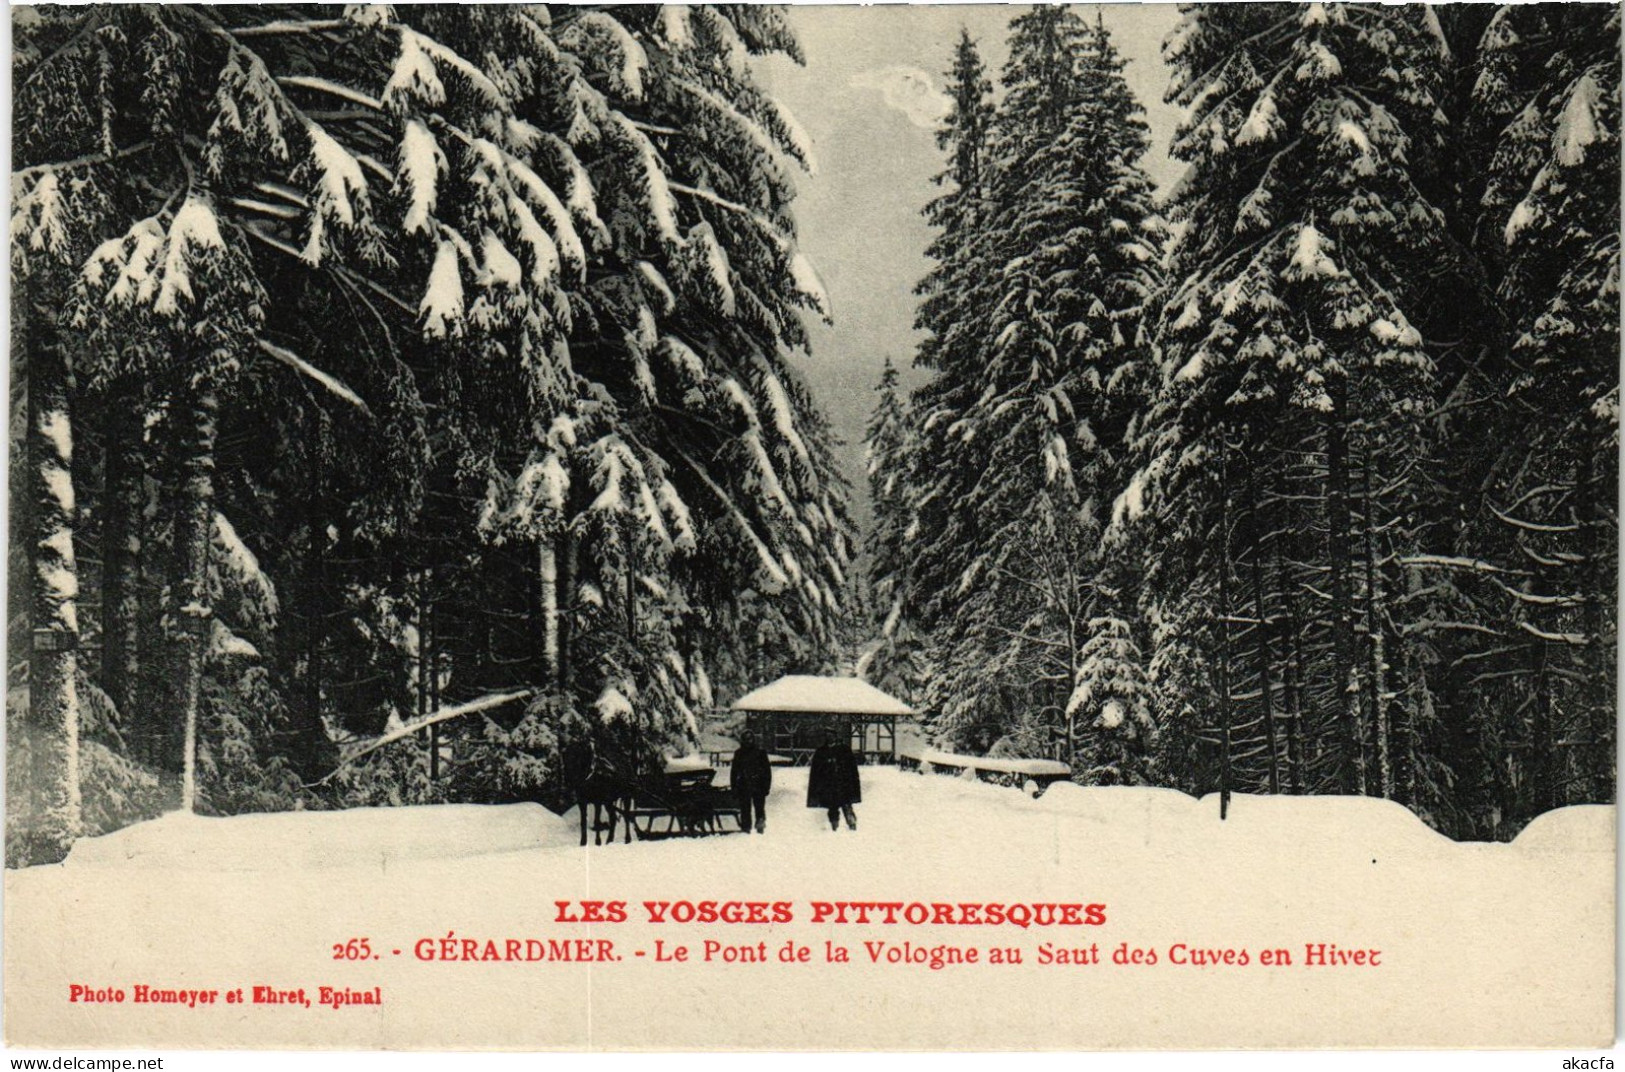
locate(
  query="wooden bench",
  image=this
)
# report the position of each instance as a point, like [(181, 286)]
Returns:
[(1011, 772)]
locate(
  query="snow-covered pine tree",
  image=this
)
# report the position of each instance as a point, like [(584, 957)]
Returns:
[(894, 661), (53, 665), (562, 439), (950, 312), (1540, 551), (1035, 388), (1109, 710), (49, 239), (1015, 411), (771, 280), (687, 337), (285, 124), (208, 123), (1293, 352)]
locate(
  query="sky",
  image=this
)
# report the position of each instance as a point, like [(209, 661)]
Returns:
[(870, 97)]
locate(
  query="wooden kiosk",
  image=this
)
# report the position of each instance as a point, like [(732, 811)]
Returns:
[(791, 716)]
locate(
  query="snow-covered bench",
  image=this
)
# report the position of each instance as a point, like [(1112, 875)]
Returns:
[(1014, 771)]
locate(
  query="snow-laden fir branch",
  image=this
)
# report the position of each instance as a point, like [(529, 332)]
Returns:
[(299, 364), (445, 714)]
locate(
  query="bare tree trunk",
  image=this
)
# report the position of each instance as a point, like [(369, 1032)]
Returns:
[(122, 542), (1224, 629), (425, 668), (1544, 769), (1598, 540), (423, 645), (1261, 612), (567, 607), (1404, 730), (431, 662), (316, 751), (1374, 635), (315, 626), (1073, 649), (192, 532), (1410, 761), (547, 556), (1294, 677), (434, 679), (53, 662), (1337, 553), (631, 585)]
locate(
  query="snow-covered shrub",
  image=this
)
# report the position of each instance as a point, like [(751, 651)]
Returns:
[(1111, 705), (1028, 738), (115, 791), (503, 760), (391, 777), (239, 768)]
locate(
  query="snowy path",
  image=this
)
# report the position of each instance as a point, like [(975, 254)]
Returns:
[(263, 899), (912, 819), (893, 809)]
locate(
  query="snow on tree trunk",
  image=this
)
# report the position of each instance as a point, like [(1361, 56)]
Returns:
[(1225, 716), (567, 610), (53, 671), (193, 526), (1262, 630), (121, 584), (547, 556), (1345, 698), (424, 652), (1543, 736), (1374, 639), (430, 659), (316, 610), (1600, 586), (631, 565), (1293, 682)]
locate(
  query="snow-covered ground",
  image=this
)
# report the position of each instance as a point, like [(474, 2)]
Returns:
[(1481, 944)]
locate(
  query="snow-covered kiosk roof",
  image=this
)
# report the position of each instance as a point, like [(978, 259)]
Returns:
[(811, 695)]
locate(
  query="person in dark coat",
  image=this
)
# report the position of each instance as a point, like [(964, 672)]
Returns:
[(832, 781), (751, 779)]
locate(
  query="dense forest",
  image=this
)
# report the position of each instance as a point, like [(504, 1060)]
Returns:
[(371, 364), (1302, 479), (430, 375)]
